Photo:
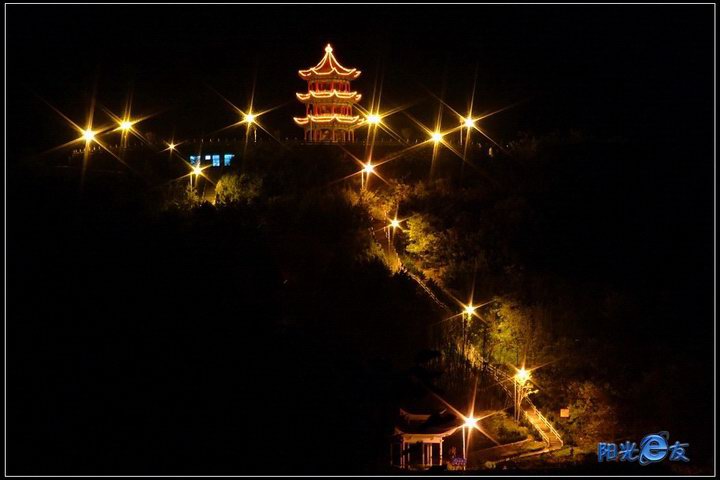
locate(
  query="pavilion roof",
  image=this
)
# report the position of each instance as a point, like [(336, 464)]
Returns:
[(329, 67), (437, 423)]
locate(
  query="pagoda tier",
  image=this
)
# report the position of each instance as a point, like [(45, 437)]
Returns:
[(329, 101)]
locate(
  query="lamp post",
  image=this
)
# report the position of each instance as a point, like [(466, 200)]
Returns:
[(197, 171), (467, 123), (394, 225), (250, 120), (520, 389), (365, 173), (372, 120), (470, 422)]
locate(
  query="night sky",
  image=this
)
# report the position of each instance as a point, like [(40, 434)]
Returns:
[(637, 72)]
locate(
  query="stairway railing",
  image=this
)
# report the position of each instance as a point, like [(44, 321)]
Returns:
[(502, 379)]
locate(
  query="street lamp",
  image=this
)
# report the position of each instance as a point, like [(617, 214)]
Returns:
[(521, 389), (88, 135), (250, 120), (467, 123), (126, 125), (470, 422), (468, 312), (436, 137), (365, 173), (196, 172)]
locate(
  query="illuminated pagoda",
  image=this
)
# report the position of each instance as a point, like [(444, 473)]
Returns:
[(329, 101)]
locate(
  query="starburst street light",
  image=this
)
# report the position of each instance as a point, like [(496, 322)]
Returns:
[(88, 135), (196, 172), (470, 310), (373, 119), (436, 137), (249, 119), (395, 223), (522, 376), (468, 123), (521, 389), (171, 146), (126, 125), (367, 170)]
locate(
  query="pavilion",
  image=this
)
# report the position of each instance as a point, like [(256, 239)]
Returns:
[(418, 440)]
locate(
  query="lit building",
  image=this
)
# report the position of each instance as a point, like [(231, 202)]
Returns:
[(213, 159), (329, 101)]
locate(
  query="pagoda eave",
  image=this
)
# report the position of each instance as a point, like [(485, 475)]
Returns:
[(351, 97), (332, 75), (333, 122)]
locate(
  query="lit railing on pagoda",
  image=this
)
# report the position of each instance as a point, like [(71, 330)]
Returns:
[(329, 101)]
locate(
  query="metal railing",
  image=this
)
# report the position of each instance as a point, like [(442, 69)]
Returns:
[(502, 379)]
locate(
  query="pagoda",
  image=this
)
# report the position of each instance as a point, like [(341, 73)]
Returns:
[(329, 101)]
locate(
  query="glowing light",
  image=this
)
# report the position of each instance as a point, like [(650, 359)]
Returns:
[(471, 422), (88, 135), (171, 146), (469, 122), (250, 118), (126, 125), (369, 168), (437, 137), (394, 223), (373, 119), (470, 310), (522, 376), (197, 170)]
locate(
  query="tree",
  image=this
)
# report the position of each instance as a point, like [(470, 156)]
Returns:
[(425, 244), (234, 189), (592, 414)]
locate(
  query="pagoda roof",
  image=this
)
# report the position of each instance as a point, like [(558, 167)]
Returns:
[(334, 94), (328, 119), (329, 67)]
